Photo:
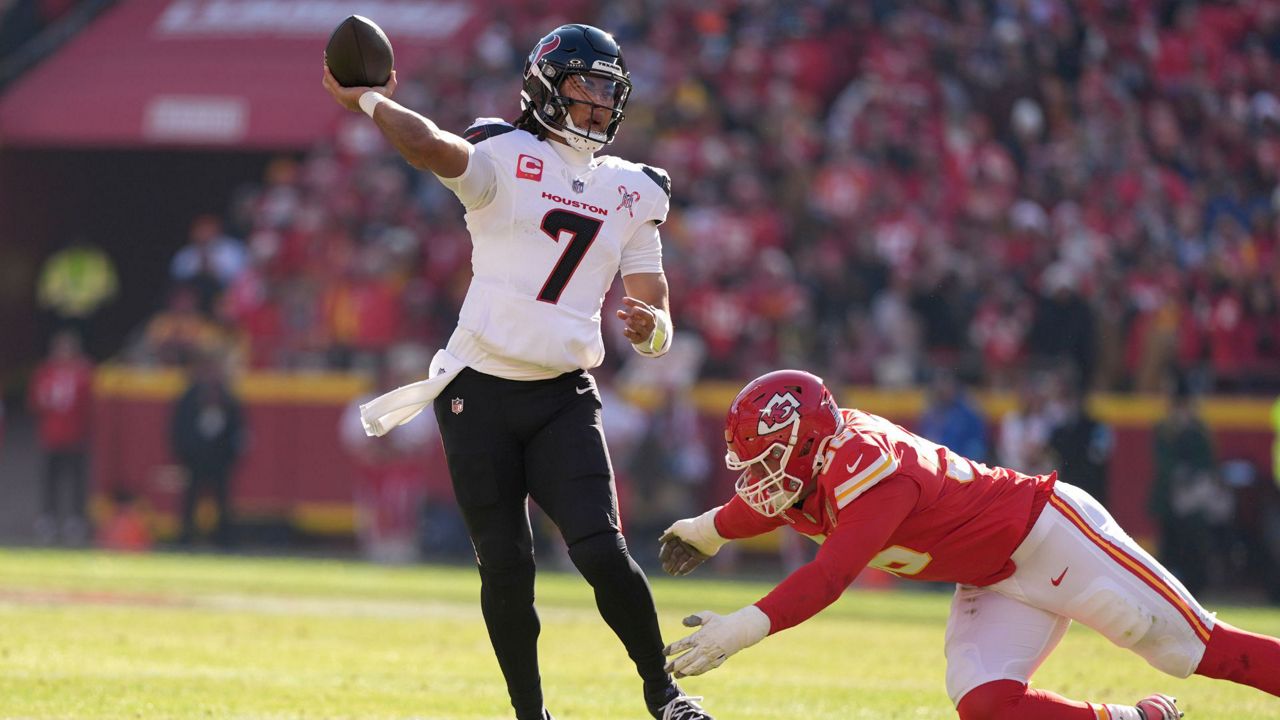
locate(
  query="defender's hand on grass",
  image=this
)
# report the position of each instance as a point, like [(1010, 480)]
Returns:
[(720, 637)]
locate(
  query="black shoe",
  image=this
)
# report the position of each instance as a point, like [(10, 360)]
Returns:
[(678, 706)]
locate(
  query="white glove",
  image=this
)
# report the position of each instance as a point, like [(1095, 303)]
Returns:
[(700, 532), (720, 637)]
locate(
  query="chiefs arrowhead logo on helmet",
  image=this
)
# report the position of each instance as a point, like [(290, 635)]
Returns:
[(778, 413)]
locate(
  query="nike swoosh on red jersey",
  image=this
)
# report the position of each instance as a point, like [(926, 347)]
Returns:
[(852, 469)]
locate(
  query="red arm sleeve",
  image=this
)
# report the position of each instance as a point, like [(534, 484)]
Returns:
[(736, 520), (865, 526)]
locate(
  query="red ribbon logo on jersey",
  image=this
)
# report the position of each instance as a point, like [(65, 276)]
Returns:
[(629, 200), (529, 167)]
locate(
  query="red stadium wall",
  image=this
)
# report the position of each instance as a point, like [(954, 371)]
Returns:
[(296, 470), (294, 467)]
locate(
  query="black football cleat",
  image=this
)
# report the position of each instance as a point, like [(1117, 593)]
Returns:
[(681, 707)]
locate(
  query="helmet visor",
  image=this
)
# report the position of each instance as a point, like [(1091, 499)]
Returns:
[(595, 89)]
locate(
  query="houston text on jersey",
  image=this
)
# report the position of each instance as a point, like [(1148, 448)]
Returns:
[(575, 204)]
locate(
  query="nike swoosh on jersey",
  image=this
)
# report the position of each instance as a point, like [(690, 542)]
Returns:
[(582, 391), (880, 468)]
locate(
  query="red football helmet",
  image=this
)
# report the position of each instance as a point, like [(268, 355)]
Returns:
[(777, 431)]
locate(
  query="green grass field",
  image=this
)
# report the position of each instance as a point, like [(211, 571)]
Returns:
[(85, 635)]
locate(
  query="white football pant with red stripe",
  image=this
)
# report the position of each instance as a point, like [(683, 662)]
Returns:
[(1075, 564)]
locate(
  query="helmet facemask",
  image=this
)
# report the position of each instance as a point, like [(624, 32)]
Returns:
[(552, 110), (765, 484)]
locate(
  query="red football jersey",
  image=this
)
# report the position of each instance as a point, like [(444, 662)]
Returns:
[(893, 500)]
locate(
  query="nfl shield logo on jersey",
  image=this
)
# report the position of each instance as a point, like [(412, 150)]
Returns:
[(579, 185), (456, 406)]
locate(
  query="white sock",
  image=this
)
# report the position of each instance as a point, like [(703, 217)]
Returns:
[(1124, 712)]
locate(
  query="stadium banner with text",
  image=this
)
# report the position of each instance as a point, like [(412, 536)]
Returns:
[(210, 73)]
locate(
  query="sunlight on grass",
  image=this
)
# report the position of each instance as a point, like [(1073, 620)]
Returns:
[(173, 636)]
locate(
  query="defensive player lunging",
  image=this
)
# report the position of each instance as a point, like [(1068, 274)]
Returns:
[(1028, 554), (551, 226)]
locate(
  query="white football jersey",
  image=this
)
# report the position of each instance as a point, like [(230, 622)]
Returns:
[(550, 230)]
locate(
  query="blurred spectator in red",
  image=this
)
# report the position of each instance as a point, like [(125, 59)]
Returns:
[(59, 397), (999, 330), (362, 310), (393, 490)]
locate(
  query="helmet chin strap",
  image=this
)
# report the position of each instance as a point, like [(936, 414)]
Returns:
[(572, 139), (576, 140)]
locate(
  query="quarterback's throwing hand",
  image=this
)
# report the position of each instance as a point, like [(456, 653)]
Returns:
[(720, 637), (349, 97)]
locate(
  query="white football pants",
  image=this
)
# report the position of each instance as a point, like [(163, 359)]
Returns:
[(1075, 564)]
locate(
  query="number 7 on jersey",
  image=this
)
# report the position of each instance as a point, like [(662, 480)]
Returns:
[(583, 230)]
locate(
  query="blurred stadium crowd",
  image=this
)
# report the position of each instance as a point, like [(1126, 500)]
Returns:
[(1050, 197), (864, 189)]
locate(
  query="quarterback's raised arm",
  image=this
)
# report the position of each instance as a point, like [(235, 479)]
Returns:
[(420, 142)]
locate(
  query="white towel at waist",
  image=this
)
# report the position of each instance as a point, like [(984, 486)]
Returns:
[(389, 410)]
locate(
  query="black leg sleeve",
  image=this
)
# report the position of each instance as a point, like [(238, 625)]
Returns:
[(504, 555), (625, 601)]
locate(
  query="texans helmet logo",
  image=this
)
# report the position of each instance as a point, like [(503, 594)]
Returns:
[(781, 411), (546, 45)]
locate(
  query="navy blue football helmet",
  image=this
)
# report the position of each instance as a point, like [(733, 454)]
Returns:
[(591, 60)]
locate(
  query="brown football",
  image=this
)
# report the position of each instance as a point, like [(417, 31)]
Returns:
[(359, 54)]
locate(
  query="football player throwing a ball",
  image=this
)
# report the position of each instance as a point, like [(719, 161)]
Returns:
[(1028, 555), (551, 224)]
